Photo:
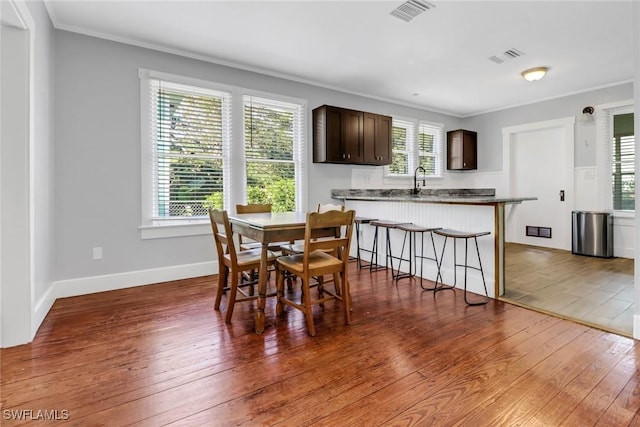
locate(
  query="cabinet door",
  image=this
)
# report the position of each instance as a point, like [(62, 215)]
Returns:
[(334, 149), (384, 141), (351, 136), (376, 139), (469, 151), (461, 150)]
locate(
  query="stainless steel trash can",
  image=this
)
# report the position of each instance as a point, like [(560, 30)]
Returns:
[(592, 233)]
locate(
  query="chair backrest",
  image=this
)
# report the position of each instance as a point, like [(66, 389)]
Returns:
[(222, 235), (341, 222), (329, 207), (253, 208)]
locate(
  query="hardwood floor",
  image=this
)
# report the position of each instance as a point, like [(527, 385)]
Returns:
[(596, 291), (160, 355)]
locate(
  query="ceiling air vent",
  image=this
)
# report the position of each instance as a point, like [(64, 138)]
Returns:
[(506, 55), (410, 9)]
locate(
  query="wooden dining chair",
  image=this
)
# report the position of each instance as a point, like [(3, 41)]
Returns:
[(232, 263), (298, 247), (319, 257)]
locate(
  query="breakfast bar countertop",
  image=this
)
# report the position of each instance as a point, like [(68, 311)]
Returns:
[(428, 195)]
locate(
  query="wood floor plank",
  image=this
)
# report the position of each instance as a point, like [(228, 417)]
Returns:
[(559, 408), (158, 355), (530, 391), (597, 402)]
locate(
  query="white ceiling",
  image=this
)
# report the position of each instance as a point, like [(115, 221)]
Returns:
[(438, 61)]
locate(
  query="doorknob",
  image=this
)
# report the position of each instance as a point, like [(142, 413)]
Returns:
[(562, 195)]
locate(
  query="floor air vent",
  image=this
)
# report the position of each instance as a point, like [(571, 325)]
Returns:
[(410, 9), (535, 231)]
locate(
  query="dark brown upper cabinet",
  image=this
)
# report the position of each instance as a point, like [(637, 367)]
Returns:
[(462, 151), (348, 136), (377, 139)]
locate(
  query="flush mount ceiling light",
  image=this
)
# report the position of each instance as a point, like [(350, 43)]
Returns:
[(534, 74)]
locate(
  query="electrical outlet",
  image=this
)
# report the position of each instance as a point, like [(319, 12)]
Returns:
[(97, 252)]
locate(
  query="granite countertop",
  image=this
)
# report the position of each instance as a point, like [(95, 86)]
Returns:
[(428, 195)]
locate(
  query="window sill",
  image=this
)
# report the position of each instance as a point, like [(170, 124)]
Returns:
[(624, 214), (162, 231)]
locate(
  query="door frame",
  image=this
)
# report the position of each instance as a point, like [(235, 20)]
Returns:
[(567, 124), (17, 325)]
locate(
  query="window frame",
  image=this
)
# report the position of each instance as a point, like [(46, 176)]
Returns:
[(234, 162), (604, 154), (299, 144), (413, 148), (616, 112)]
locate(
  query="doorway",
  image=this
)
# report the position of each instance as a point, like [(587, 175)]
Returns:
[(538, 159)]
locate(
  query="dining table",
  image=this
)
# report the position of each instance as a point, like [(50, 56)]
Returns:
[(268, 228)]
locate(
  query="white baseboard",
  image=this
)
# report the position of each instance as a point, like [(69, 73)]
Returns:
[(110, 282), (41, 310)]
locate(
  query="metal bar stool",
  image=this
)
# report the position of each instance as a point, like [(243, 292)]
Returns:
[(361, 220), (455, 235), (411, 230), (387, 225)]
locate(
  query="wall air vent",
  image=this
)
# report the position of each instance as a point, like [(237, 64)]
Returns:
[(506, 55), (410, 9)]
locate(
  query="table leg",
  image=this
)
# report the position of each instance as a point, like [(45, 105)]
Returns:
[(262, 289)]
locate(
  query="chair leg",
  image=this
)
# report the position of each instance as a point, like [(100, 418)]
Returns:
[(233, 291), (222, 283), (439, 279), (320, 280), (486, 300), (280, 289), (306, 294), (346, 299)]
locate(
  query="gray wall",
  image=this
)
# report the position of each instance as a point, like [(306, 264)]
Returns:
[(97, 155), (489, 126)]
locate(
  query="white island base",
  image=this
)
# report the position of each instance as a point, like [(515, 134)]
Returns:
[(464, 217)]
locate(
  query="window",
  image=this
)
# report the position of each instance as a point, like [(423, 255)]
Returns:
[(191, 162), (623, 162), (430, 148), (414, 145), (187, 144), (615, 156), (272, 136)]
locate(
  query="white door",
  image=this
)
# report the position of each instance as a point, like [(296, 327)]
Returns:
[(539, 163)]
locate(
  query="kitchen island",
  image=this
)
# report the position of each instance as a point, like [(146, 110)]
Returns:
[(460, 209)]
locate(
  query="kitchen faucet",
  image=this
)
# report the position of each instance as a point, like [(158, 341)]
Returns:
[(416, 190)]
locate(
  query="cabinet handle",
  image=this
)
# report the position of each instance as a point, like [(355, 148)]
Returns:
[(348, 156), (344, 156)]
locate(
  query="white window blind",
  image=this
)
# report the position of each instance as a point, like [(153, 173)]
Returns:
[(623, 162), (273, 146), (403, 134), (414, 145), (615, 158), (430, 142), (190, 127)]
